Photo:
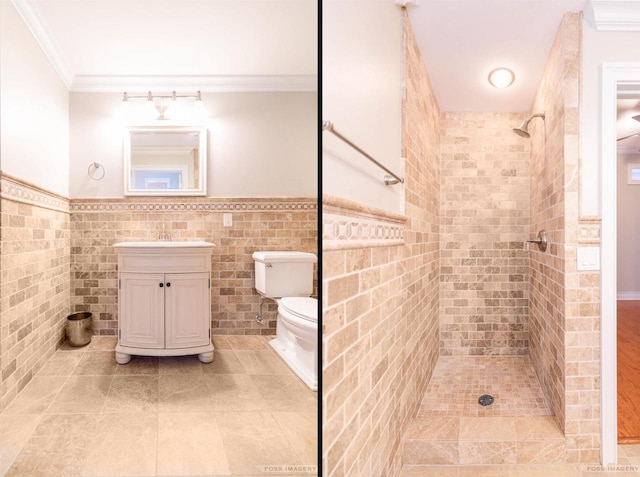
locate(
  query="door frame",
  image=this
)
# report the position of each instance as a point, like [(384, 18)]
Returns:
[(613, 75)]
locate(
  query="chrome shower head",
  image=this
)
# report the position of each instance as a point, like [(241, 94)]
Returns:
[(522, 129)]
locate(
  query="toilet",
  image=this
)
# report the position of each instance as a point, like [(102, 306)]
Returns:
[(287, 278)]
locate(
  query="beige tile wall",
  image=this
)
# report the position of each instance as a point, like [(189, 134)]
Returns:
[(258, 224), (380, 304), (548, 213), (34, 281), (565, 303), (484, 274)]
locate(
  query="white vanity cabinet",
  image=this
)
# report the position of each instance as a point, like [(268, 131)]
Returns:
[(164, 299)]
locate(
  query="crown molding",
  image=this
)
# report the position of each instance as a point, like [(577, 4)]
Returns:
[(615, 15), (28, 11), (204, 83), (29, 14)]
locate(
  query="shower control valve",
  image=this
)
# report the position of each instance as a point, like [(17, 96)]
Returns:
[(541, 241)]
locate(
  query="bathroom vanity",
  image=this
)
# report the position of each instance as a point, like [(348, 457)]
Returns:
[(164, 299)]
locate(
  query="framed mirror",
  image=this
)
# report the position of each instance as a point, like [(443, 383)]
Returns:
[(165, 160)]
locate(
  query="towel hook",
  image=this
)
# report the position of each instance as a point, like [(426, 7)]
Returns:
[(94, 169)]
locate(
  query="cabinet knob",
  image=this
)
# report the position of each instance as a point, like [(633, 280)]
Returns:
[(168, 284), (161, 285)]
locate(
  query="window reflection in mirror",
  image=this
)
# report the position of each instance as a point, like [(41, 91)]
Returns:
[(167, 160)]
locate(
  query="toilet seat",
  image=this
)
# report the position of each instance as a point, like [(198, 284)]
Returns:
[(304, 308)]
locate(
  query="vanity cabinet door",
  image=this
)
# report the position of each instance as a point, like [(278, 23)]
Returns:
[(187, 302), (141, 310)]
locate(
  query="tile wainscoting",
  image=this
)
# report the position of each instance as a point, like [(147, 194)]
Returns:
[(258, 224), (34, 280), (57, 258)]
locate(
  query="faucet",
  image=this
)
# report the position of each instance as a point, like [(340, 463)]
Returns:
[(163, 235)]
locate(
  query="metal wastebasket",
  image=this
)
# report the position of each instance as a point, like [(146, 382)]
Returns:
[(79, 328)]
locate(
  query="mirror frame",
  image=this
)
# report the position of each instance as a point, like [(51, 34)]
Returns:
[(202, 157)]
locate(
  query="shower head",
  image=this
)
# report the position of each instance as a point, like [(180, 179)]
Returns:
[(522, 129)]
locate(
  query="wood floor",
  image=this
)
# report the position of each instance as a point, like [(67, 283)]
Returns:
[(628, 372)]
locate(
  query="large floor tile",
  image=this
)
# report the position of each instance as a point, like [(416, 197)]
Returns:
[(85, 415), (262, 362), (184, 393), (235, 392), (36, 396), (179, 365), (254, 443), (429, 471), (132, 394), (57, 448), (15, 430), (300, 429), (123, 445), (224, 361), (139, 365), (487, 429), (220, 342), (102, 343), (190, 444), (81, 394), (285, 393), (96, 363), (60, 364), (246, 342)]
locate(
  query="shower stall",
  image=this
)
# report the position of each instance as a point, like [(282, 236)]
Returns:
[(486, 334), (495, 395)]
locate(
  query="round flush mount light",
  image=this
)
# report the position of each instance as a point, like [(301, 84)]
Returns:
[(501, 77)]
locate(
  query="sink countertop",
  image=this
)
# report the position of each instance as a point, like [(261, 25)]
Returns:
[(164, 244)]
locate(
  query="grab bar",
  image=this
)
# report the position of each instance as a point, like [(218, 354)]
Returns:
[(388, 180)]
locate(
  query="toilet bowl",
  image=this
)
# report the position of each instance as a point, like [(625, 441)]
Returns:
[(287, 278), (296, 338)]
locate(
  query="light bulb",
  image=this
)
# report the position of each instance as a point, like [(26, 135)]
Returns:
[(199, 113), (174, 109), (501, 77), (150, 111)]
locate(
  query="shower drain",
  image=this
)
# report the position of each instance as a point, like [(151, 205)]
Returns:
[(485, 400)]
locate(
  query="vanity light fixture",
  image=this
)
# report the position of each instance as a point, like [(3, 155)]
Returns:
[(163, 110), (501, 77)]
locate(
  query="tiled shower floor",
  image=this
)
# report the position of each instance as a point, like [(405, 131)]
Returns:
[(85, 415), (458, 382)]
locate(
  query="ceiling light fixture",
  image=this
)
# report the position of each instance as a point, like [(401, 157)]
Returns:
[(501, 77)]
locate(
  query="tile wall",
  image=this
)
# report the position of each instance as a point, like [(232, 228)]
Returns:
[(565, 303), (57, 258), (258, 224), (34, 280), (484, 274), (380, 301)]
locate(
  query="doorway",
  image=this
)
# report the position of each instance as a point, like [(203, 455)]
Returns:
[(614, 76)]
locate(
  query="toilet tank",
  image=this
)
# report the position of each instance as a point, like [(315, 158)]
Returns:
[(281, 274)]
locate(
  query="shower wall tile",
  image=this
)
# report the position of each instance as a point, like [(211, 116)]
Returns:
[(565, 303), (484, 275), (258, 224), (380, 302), (34, 280)]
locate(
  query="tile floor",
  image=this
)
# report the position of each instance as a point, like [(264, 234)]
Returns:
[(628, 466), (458, 382), (85, 415), (519, 425)]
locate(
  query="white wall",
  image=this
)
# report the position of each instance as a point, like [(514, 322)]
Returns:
[(34, 112), (598, 47), (362, 79), (628, 230), (260, 144)]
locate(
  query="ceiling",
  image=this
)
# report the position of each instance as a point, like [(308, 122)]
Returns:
[(461, 41), (193, 38)]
